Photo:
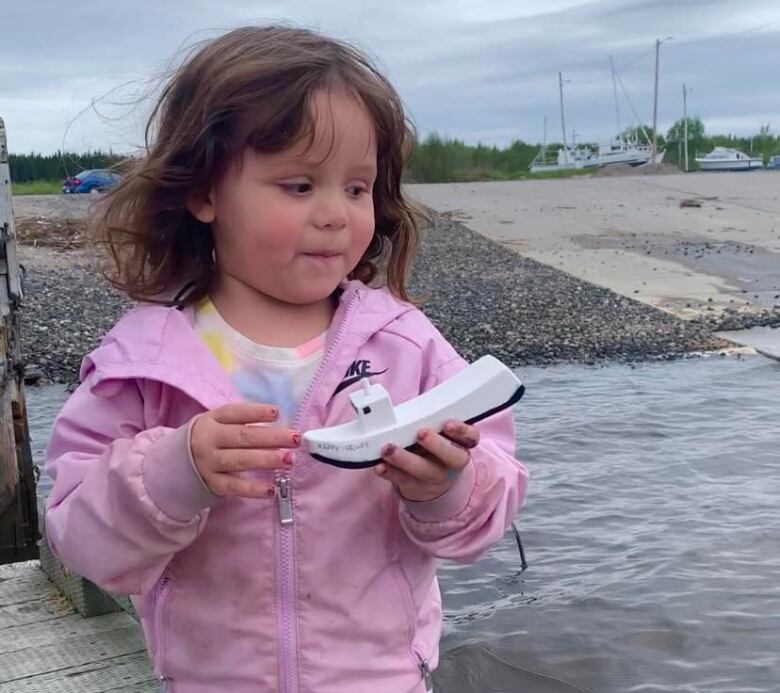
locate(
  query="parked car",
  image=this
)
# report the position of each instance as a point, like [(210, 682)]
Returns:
[(774, 162), (93, 180)]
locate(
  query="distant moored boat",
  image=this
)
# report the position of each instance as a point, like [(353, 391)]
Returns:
[(727, 159)]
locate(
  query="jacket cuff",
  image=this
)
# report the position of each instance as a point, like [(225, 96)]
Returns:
[(449, 504), (171, 478)]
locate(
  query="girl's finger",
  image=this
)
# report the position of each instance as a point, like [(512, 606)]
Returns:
[(395, 476), (231, 436), (237, 460), (245, 413), (417, 467), (231, 485), (462, 433), (448, 453)]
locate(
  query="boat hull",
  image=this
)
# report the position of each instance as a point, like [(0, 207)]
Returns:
[(738, 165)]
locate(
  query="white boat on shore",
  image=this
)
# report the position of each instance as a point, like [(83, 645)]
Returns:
[(621, 152), (567, 159), (727, 159), (631, 153)]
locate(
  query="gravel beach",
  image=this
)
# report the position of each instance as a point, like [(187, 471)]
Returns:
[(701, 246), (483, 297)]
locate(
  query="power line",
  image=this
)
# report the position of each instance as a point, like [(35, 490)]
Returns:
[(722, 37), (637, 57)]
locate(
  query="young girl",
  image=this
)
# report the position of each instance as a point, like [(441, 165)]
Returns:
[(268, 201)]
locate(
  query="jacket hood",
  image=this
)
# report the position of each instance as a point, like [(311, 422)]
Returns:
[(159, 343)]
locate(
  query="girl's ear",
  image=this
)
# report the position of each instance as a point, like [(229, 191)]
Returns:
[(201, 206)]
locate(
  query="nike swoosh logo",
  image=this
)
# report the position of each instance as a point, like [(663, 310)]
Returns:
[(351, 381)]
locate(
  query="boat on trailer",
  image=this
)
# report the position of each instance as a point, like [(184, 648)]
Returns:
[(728, 159)]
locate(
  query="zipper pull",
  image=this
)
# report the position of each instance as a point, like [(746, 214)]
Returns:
[(425, 670), (163, 681), (284, 497)]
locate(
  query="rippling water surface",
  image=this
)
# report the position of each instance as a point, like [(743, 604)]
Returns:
[(652, 530)]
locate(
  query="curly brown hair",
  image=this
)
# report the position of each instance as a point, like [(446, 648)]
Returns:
[(201, 125)]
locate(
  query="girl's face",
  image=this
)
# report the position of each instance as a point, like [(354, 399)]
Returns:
[(291, 225)]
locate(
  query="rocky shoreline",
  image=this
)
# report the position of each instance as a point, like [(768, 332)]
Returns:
[(487, 299), (67, 309), (483, 297)]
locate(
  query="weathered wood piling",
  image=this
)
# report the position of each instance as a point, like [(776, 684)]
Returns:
[(18, 505)]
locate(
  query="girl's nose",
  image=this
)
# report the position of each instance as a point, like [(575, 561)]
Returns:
[(331, 212)]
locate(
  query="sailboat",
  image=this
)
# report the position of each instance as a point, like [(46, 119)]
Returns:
[(619, 150), (622, 150), (626, 152), (570, 158)]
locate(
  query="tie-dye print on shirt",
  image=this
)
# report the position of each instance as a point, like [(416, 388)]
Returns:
[(273, 375)]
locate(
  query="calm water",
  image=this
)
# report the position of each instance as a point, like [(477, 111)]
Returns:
[(652, 530)]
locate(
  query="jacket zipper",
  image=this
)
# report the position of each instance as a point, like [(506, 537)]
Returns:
[(425, 669), (163, 592), (422, 662), (288, 677)]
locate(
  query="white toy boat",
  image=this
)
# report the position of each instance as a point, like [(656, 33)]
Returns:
[(484, 388)]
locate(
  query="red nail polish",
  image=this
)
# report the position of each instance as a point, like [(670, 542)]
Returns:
[(389, 449), (422, 435), (296, 439)]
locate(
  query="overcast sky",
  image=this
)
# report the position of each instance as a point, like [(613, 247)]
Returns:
[(76, 74)]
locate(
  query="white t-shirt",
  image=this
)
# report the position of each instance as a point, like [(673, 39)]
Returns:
[(272, 375)]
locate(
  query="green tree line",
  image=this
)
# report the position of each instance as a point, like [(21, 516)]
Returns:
[(438, 160), (442, 160), (35, 167)]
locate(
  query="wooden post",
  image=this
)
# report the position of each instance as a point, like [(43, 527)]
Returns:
[(18, 501), (19, 521)]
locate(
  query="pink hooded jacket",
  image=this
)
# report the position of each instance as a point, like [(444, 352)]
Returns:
[(343, 599)]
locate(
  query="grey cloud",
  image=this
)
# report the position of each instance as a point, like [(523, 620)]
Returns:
[(463, 70)]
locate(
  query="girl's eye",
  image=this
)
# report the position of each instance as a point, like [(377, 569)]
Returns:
[(297, 188), (356, 190)]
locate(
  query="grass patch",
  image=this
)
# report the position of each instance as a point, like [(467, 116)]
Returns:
[(37, 187)]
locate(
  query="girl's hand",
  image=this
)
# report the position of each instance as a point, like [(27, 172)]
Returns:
[(224, 443), (433, 468)]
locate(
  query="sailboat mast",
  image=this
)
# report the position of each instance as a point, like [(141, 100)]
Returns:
[(563, 121), (614, 88)]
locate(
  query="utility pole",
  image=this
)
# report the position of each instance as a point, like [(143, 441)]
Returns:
[(685, 124), (658, 43), (655, 103), (563, 121)]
